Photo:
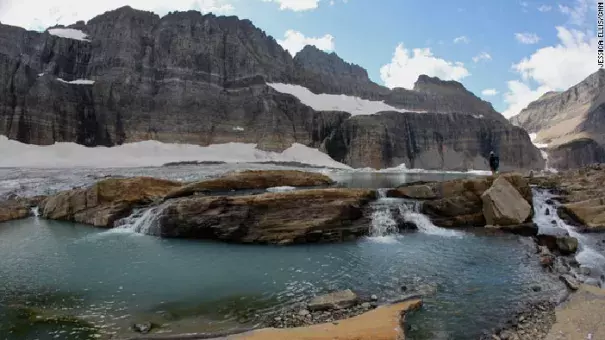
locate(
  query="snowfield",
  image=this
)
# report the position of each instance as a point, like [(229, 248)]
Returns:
[(533, 137), (335, 102), (150, 153), (69, 33)]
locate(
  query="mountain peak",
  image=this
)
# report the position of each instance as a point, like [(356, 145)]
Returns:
[(427, 83)]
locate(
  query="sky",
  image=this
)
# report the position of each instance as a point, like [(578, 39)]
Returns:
[(508, 52)]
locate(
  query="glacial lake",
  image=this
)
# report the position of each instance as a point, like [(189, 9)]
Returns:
[(114, 278)]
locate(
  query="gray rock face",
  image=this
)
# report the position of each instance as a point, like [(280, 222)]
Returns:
[(201, 79), (571, 122)]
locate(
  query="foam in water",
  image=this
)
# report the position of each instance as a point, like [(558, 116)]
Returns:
[(384, 223), (35, 211), (281, 189), (552, 224), (141, 221)]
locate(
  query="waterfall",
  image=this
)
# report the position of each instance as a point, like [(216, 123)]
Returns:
[(389, 213), (35, 211), (141, 221), (549, 223)]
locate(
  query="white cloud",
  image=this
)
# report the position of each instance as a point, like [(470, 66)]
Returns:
[(482, 56), (545, 8), (461, 40), (552, 68), (406, 66), (489, 92), (296, 5), (578, 13), (39, 15), (527, 38), (295, 41)]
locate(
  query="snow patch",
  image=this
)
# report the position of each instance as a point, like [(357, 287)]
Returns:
[(335, 102), (533, 137), (78, 81), (150, 153), (238, 128), (69, 33)]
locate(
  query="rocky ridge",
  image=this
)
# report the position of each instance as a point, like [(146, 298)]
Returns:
[(570, 122), (201, 79)]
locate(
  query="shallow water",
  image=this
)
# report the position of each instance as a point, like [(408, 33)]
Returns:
[(112, 279)]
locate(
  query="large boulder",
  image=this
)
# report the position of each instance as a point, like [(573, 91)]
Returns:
[(336, 300), (106, 201), (254, 179), (589, 213), (315, 215), (457, 203), (503, 205)]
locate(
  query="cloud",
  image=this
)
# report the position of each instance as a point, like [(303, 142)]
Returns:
[(578, 14), (527, 38), (406, 66), (482, 56), (545, 8), (489, 92), (39, 15), (552, 68), (296, 5), (461, 40), (295, 41)]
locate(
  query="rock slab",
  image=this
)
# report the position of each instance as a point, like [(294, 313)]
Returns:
[(337, 300), (503, 205)]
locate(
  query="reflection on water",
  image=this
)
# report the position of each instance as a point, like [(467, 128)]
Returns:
[(113, 279)]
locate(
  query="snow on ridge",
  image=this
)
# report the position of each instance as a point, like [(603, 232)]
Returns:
[(78, 81), (150, 153), (69, 33), (335, 102), (533, 137)]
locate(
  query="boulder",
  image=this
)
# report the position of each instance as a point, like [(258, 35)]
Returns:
[(457, 203), (336, 300), (312, 215), (253, 179), (567, 245), (589, 213), (503, 205), (106, 201)]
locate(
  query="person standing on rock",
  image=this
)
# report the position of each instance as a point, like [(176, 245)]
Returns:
[(494, 162)]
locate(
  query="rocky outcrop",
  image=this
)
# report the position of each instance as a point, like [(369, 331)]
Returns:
[(458, 203), (317, 215), (503, 205), (18, 208), (430, 141), (590, 213), (106, 201), (253, 179), (570, 122), (201, 79)]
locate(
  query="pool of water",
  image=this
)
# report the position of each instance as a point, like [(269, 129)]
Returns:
[(112, 279)]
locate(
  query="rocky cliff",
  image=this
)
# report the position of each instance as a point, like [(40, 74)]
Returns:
[(572, 123), (201, 79)]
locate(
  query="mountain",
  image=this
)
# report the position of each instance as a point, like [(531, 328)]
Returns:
[(571, 123), (129, 75)]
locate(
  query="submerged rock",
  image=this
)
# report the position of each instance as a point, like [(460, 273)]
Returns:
[(106, 201), (503, 205), (144, 327), (570, 282), (253, 179), (317, 215), (336, 300)]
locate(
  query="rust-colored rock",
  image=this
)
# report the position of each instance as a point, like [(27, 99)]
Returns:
[(315, 215), (106, 201), (254, 179)]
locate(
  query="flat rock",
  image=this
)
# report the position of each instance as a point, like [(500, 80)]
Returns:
[(336, 300), (590, 213), (503, 205), (253, 179), (570, 281), (302, 216)]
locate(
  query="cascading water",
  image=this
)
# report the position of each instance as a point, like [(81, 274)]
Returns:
[(549, 223), (141, 221), (35, 211), (390, 212)]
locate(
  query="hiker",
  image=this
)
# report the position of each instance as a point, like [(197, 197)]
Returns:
[(494, 162)]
